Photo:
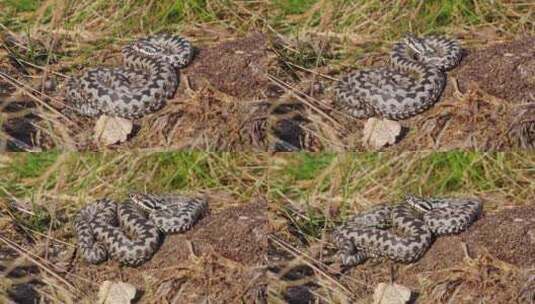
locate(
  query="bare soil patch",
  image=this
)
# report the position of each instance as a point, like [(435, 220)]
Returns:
[(508, 235), (236, 68), (505, 70)]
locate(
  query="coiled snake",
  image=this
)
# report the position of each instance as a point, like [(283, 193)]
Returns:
[(410, 85), (148, 78), (130, 232), (418, 219)]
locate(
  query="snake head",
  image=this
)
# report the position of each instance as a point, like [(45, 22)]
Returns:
[(145, 47), (144, 200), (418, 45), (423, 50), (418, 203)]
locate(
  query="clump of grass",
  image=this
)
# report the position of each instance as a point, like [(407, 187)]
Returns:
[(387, 176), (41, 174), (22, 5)]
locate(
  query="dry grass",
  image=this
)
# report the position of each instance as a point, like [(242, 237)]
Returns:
[(315, 41)]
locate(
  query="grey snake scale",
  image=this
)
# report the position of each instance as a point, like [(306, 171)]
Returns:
[(142, 86), (130, 232), (419, 220), (411, 84)]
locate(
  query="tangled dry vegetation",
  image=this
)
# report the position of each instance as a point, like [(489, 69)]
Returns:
[(264, 72)]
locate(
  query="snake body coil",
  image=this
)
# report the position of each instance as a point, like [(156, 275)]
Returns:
[(130, 232), (142, 86), (410, 85), (418, 220)]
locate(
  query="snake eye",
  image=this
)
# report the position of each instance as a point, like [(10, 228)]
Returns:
[(133, 195)]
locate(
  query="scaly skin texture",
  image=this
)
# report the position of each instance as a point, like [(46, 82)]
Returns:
[(410, 85), (417, 219), (130, 232), (142, 86)]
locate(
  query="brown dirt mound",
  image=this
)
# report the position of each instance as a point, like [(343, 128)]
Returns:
[(220, 260), (508, 235), (505, 70), (236, 68)]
